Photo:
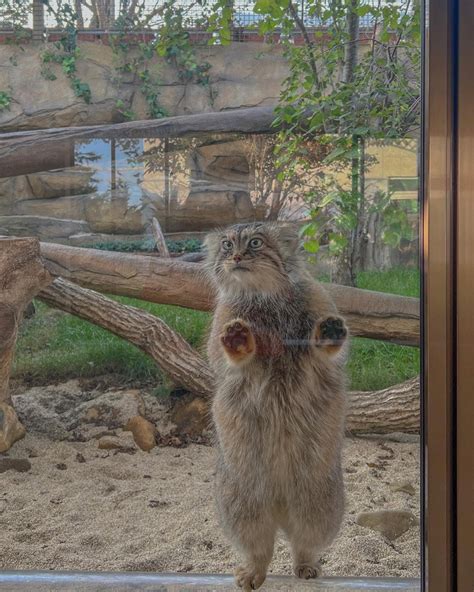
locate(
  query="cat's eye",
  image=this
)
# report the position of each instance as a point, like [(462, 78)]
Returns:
[(256, 243), (227, 245)]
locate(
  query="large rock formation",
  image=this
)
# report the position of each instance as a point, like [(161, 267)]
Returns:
[(242, 74)]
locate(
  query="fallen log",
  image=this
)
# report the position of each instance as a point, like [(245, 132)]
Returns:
[(393, 409), (22, 275), (369, 314)]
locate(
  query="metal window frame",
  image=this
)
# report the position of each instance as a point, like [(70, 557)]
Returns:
[(448, 285)]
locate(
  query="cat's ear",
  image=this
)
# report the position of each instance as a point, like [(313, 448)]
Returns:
[(211, 243)]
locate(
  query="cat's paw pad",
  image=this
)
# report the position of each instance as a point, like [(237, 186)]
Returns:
[(331, 331), (238, 340), (249, 579), (307, 572)]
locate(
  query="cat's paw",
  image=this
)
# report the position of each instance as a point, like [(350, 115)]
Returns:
[(331, 333), (249, 579), (307, 572), (238, 341)]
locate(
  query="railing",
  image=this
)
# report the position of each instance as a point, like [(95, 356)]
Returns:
[(34, 18)]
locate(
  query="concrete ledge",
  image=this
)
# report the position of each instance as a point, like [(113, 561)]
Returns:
[(50, 581)]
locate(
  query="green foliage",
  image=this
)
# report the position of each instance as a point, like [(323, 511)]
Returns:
[(15, 14), (134, 64), (147, 246), (66, 55), (5, 100), (135, 59), (173, 44), (325, 104)]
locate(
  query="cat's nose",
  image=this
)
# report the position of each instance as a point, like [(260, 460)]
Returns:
[(237, 258)]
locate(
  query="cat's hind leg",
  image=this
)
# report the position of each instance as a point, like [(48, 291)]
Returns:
[(238, 341), (255, 540), (306, 547)]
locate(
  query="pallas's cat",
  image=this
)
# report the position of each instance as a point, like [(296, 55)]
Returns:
[(277, 348)]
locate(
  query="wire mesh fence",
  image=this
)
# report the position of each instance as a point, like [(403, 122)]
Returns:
[(106, 15)]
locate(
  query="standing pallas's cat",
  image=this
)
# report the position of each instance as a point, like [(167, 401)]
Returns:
[(277, 350)]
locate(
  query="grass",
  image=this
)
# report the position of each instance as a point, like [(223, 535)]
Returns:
[(56, 346), (373, 364)]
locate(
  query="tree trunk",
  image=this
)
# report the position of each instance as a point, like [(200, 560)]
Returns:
[(394, 409), (22, 275), (168, 349), (389, 410), (369, 314), (345, 272)]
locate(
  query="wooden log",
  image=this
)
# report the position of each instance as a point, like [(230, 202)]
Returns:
[(153, 336), (369, 314), (389, 410), (252, 120), (394, 409), (22, 275), (160, 241)]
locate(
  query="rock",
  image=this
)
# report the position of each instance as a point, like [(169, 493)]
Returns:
[(22, 465), (208, 206), (191, 415), (242, 75), (144, 432), (108, 443), (75, 180), (404, 486), (69, 412), (61, 466), (112, 409), (390, 523), (51, 410), (11, 429), (80, 458)]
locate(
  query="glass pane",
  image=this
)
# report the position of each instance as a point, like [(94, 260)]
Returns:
[(234, 285)]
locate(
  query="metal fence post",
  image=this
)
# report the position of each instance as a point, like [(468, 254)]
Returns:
[(38, 20)]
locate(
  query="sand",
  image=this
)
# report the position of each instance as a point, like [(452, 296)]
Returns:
[(81, 508)]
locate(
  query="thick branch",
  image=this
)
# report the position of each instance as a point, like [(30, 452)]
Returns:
[(169, 350), (369, 314)]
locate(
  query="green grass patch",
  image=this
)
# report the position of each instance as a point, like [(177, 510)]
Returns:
[(57, 346), (374, 364)]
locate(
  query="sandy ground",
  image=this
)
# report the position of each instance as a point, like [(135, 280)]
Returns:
[(79, 507)]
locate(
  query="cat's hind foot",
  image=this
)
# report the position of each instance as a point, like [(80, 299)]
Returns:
[(249, 579), (331, 333), (307, 572), (238, 341)]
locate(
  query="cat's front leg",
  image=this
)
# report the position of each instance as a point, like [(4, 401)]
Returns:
[(238, 341), (330, 334)]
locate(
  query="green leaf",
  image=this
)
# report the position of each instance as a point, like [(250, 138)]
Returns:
[(311, 246)]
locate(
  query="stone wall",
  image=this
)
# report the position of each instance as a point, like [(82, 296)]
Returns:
[(241, 75)]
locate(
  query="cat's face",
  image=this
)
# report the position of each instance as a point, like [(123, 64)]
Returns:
[(255, 257)]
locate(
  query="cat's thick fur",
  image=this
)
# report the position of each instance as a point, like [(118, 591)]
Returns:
[(277, 348)]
